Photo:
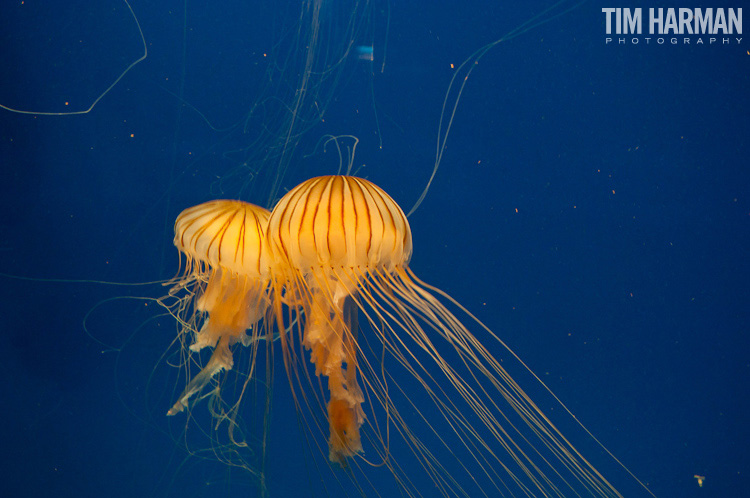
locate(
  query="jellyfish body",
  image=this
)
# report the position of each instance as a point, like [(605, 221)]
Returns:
[(339, 249), (225, 274), (326, 237)]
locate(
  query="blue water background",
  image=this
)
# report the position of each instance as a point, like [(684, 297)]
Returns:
[(592, 207)]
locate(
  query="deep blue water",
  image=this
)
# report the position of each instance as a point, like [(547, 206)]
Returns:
[(592, 207)]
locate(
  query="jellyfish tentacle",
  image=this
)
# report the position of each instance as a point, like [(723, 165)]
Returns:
[(221, 359), (328, 335)]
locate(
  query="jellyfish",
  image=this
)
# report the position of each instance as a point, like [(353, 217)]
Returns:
[(225, 277), (340, 249)]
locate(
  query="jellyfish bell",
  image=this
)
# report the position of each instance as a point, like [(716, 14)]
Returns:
[(221, 294)]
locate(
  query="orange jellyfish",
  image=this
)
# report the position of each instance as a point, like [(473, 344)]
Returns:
[(226, 281), (392, 361)]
